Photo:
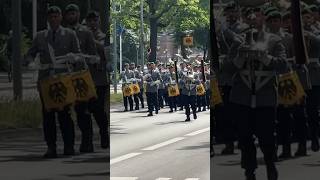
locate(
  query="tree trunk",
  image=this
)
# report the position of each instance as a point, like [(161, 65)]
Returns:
[(153, 39)]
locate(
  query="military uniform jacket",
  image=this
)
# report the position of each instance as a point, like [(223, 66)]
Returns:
[(162, 83), (313, 48), (126, 76), (138, 76), (65, 42), (301, 69), (265, 75), (87, 45), (189, 87), (99, 71), (226, 39), (151, 78)]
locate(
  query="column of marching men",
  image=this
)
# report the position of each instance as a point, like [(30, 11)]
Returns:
[(191, 90), (58, 41), (250, 88)]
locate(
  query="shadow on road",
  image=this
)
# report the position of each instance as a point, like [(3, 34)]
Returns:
[(205, 145)]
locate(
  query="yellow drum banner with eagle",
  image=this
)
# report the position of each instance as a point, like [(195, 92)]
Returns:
[(57, 92), (216, 97), (173, 90), (135, 88), (83, 85), (290, 89), (127, 90), (200, 90)]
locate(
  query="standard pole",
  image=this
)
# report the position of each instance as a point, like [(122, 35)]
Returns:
[(120, 47), (34, 18), (115, 54), (16, 49), (141, 34)]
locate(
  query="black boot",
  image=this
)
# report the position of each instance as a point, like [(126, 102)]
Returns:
[(250, 175), (272, 172), (315, 144), (68, 151), (195, 116), (302, 150), (150, 114), (51, 153), (86, 148), (286, 152), (228, 150), (188, 119)]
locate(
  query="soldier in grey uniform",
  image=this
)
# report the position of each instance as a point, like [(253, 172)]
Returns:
[(139, 74), (62, 41), (161, 88), (181, 73), (88, 47), (224, 119), (152, 79), (126, 77), (254, 93), (136, 79), (170, 79), (99, 75), (312, 40), (189, 92)]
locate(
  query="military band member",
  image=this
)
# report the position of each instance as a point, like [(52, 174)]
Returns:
[(182, 71), (254, 94), (99, 75), (312, 39), (171, 81), (126, 77), (136, 79), (161, 87), (224, 119), (189, 91), (62, 41), (88, 47), (152, 79), (139, 73)]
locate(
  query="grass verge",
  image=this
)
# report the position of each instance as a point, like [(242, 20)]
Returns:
[(115, 98), (20, 114)]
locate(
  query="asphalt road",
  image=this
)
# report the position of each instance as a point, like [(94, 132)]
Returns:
[(21, 159), (303, 168), (161, 147)]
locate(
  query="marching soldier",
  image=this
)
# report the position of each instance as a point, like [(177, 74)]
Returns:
[(88, 47), (99, 75), (136, 79), (126, 77), (152, 79), (171, 81), (139, 73), (189, 91), (161, 87), (254, 93), (181, 73), (224, 119), (313, 96), (56, 41)]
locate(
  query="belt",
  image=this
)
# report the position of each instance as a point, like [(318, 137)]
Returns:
[(258, 73), (51, 66), (314, 60)]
